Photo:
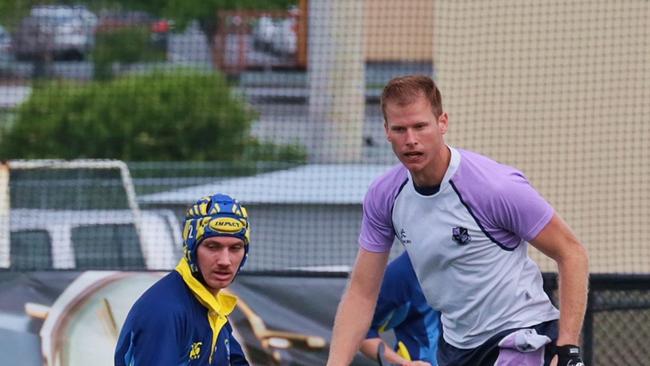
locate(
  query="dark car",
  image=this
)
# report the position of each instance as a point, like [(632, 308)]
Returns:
[(58, 32)]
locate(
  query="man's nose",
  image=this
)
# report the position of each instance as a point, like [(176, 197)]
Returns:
[(223, 258), (410, 137)]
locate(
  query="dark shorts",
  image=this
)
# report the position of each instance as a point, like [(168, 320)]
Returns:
[(487, 353)]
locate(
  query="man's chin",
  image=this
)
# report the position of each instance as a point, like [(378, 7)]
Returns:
[(220, 283), (413, 164)]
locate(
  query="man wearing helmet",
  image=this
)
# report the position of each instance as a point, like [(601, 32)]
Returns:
[(183, 318)]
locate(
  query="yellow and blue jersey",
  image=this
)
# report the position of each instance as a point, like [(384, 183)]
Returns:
[(402, 307), (178, 321)]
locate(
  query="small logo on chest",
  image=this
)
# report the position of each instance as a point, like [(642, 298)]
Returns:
[(195, 351), (402, 237), (460, 235)]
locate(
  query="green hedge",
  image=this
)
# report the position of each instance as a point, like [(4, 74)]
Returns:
[(164, 116)]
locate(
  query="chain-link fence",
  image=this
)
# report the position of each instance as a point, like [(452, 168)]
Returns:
[(617, 319), (277, 105)]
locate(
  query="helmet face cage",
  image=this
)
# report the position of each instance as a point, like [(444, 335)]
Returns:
[(216, 215)]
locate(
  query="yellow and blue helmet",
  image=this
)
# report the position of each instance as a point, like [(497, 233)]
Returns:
[(216, 215)]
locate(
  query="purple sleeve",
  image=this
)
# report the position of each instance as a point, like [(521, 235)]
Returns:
[(521, 209), (502, 200), (377, 233)]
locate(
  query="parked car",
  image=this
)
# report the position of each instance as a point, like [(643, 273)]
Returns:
[(263, 33), (88, 18), (42, 239), (276, 34), (285, 40), (57, 32), (158, 28)]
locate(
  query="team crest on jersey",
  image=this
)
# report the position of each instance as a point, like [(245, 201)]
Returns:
[(460, 235), (403, 238), (195, 351)]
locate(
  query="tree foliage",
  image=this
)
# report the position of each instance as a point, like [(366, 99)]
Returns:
[(164, 116), (123, 46)]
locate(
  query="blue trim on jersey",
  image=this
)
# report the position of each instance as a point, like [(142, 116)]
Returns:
[(401, 186), (460, 197)]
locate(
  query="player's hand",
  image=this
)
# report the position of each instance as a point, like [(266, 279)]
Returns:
[(569, 355)]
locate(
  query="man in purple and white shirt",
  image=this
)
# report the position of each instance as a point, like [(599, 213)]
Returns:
[(465, 222)]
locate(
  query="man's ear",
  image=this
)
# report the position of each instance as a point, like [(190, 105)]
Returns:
[(443, 122)]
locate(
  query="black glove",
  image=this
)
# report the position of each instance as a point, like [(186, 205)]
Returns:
[(568, 355)]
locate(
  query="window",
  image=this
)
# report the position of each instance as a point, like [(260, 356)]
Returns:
[(31, 250), (107, 247)]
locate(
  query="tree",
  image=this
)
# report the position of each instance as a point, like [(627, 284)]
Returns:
[(183, 115), (11, 11)]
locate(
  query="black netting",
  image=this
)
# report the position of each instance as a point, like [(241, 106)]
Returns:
[(277, 104)]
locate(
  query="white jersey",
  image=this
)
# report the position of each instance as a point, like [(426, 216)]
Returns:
[(468, 244)]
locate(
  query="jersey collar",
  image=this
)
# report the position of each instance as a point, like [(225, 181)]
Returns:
[(224, 303), (454, 162)]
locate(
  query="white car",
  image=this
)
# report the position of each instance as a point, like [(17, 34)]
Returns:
[(275, 35), (42, 239), (263, 33), (285, 39)]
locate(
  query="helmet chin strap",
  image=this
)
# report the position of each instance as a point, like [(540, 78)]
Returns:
[(243, 261)]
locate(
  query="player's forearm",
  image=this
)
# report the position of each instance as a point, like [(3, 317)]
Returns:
[(573, 279), (369, 347), (350, 326), (357, 306)]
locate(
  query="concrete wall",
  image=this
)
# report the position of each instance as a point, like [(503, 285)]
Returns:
[(398, 30), (560, 90)]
